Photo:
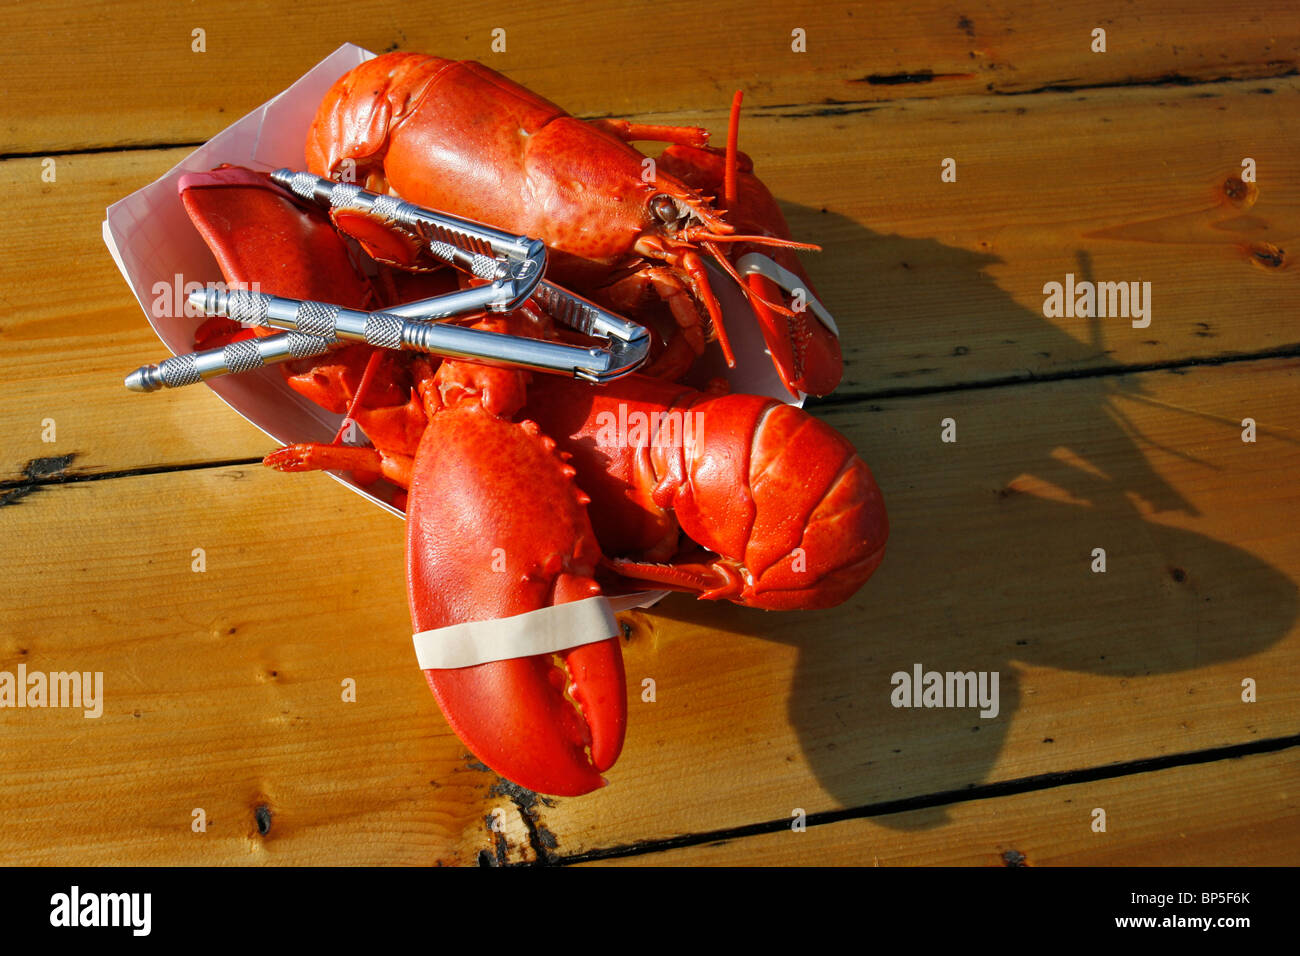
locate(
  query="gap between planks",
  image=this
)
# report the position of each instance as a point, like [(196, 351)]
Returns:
[(1000, 789), (42, 472), (781, 110), (890, 49)]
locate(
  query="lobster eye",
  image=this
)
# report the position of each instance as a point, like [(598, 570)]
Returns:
[(664, 208)]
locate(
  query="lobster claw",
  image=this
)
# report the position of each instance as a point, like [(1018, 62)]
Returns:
[(496, 528), (515, 717), (252, 225)]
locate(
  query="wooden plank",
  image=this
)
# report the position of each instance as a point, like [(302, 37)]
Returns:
[(81, 77), (1239, 812), (754, 714), (932, 283), (988, 570), (223, 690), (71, 331), (945, 282)]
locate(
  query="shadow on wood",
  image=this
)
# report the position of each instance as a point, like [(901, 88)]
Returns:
[(990, 565)]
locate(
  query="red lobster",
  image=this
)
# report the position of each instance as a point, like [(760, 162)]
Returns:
[(527, 494), (462, 138)]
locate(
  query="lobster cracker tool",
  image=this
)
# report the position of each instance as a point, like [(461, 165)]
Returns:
[(512, 268)]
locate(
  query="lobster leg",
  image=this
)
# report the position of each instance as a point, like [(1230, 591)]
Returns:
[(366, 464), (631, 132), (806, 352)]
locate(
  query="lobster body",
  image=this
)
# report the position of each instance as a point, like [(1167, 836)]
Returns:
[(460, 137)]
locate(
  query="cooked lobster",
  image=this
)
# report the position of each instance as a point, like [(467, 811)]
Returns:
[(621, 229), (527, 492)]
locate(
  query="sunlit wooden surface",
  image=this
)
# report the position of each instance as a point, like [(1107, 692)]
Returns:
[(772, 738)]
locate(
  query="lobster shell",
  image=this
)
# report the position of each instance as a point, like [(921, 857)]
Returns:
[(460, 137)]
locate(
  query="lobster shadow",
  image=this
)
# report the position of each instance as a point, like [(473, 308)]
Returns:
[(981, 576)]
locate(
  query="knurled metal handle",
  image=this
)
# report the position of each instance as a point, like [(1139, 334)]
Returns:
[(387, 330), (242, 356)]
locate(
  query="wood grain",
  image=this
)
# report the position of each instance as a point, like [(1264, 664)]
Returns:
[(223, 689), (754, 713), (1235, 812), (150, 88), (932, 283), (70, 333), (988, 569)]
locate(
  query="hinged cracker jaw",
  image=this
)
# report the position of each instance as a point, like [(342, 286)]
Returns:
[(513, 264)]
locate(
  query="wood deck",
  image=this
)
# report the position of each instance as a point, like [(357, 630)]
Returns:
[(1120, 691)]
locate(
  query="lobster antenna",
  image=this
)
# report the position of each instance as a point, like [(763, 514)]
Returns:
[(733, 138), (367, 376), (749, 293), (756, 240), (719, 327), (730, 192)]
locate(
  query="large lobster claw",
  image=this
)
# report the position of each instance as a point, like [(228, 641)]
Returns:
[(496, 528), (261, 234)]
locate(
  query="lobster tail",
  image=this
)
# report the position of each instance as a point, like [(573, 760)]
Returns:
[(793, 514), (819, 526), (733, 497)]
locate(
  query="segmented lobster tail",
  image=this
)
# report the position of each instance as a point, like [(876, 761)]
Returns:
[(785, 514), (733, 497), (797, 515)]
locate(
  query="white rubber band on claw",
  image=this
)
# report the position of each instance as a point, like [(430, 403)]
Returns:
[(544, 631), (757, 262)]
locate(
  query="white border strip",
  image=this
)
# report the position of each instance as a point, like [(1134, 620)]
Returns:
[(757, 262), (544, 631)]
